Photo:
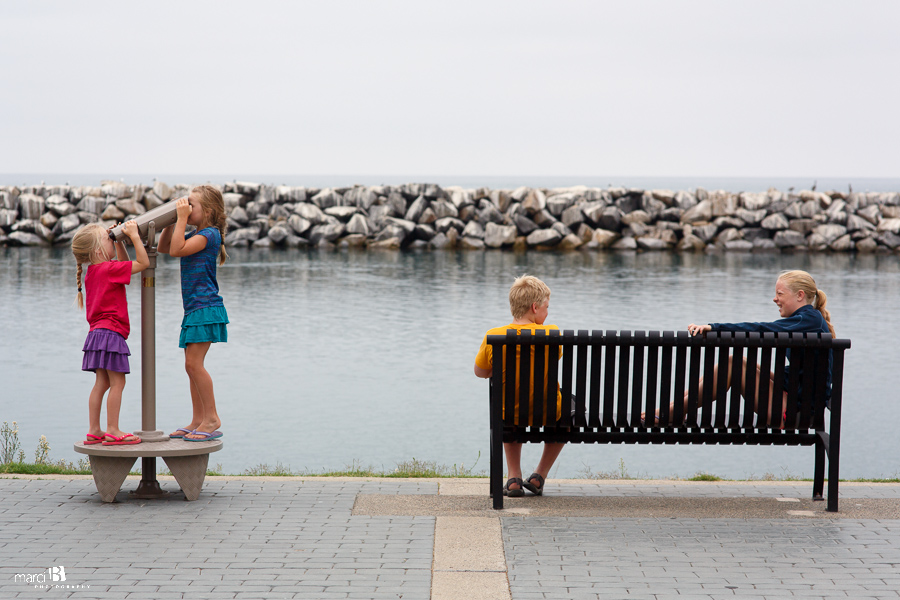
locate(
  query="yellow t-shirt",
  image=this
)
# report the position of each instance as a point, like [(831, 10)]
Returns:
[(484, 360)]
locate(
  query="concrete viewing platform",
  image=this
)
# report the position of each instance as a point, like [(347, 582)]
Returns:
[(321, 538)]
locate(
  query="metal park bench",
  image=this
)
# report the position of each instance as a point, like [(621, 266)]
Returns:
[(613, 377)]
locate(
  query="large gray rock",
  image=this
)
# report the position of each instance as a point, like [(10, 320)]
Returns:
[(750, 217), (685, 200), (535, 201), (310, 212), (723, 203), (328, 232), (667, 197), (113, 213), (298, 224), (702, 211), (857, 223), (593, 211), (488, 213), (8, 217), (764, 245), (842, 244), (525, 225), (560, 202), (361, 197), (872, 214), (62, 209), (706, 232), (341, 213), (570, 242), (92, 204), (496, 236), (358, 225), (789, 239), (162, 191), (407, 226), (649, 242), (604, 237), (473, 229), (690, 243), (471, 243), (889, 239), (804, 226), (279, 233), (414, 213), (611, 219), (738, 246), (501, 199), (572, 216), (443, 209), (130, 207), (9, 200), (892, 225), (543, 237), (830, 233), (625, 243), (66, 224), (775, 222), (233, 200), (242, 237), (445, 224), (327, 198), (25, 238), (281, 212), (31, 206), (754, 201)]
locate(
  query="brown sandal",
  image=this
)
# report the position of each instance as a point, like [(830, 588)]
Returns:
[(516, 493)]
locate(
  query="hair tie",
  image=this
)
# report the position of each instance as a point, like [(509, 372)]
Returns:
[(79, 288)]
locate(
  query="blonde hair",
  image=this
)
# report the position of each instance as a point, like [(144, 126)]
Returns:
[(214, 210), (801, 281), (525, 291), (85, 244)]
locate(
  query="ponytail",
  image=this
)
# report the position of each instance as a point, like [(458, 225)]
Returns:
[(819, 305), (214, 206), (222, 226), (79, 297)]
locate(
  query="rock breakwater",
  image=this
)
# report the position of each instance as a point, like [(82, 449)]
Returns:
[(426, 215)]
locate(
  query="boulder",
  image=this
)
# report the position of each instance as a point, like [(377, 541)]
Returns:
[(866, 245), (471, 243), (66, 224), (473, 229), (872, 214), (24, 238), (278, 233), (112, 213), (857, 223), (625, 243), (129, 206), (92, 204), (604, 237), (585, 232), (358, 225), (886, 238), (775, 222), (636, 216), (789, 239), (414, 213), (443, 209), (700, 212), (706, 232), (534, 201), (570, 242), (341, 213), (738, 246), (764, 245), (242, 237), (842, 244), (830, 233), (162, 191), (750, 217), (298, 224), (690, 243), (650, 242), (62, 209), (496, 236), (501, 199), (391, 243), (310, 212), (354, 240), (543, 237), (31, 206), (611, 219), (804, 226), (8, 217), (448, 223), (685, 200), (754, 201), (488, 213), (329, 232), (327, 198), (525, 225), (892, 225), (572, 216), (9, 201)]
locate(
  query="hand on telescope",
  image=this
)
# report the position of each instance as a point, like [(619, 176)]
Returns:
[(131, 230), (698, 329), (182, 209)]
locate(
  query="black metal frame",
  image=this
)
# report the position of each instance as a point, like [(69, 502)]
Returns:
[(614, 376)]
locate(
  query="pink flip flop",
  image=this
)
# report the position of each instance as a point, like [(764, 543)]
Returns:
[(93, 439), (121, 441)]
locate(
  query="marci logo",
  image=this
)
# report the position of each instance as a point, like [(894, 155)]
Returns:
[(52, 574)]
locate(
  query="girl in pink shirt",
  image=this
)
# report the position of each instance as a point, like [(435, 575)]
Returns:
[(105, 350)]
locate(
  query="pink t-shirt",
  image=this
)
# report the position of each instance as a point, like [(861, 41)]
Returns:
[(106, 306)]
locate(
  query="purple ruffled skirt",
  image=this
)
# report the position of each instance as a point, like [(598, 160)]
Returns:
[(105, 349)]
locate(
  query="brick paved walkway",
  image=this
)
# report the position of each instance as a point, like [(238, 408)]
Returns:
[(292, 538)]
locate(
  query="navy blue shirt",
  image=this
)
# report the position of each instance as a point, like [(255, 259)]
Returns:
[(199, 288), (805, 319)]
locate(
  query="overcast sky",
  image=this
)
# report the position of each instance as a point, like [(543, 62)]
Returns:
[(419, 87)]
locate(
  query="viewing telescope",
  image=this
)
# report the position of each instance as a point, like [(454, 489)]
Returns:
[(161, 216)]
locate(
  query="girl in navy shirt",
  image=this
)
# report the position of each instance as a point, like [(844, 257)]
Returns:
[(802, 305)]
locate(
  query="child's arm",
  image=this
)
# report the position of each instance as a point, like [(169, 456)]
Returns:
[(483, 373), (142, 261), (178, 246)]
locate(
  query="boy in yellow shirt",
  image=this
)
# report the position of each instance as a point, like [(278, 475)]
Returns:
[(529, 302)]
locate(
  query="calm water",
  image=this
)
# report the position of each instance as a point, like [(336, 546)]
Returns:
[(366, 357)]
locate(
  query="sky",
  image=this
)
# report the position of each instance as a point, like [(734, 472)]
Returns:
[(695, 87)]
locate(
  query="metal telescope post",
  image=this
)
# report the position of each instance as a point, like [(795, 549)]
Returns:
[(149, 486)]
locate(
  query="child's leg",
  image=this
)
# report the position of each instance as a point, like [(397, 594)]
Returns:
[(201, 381), (114, 404), (197, 408), (548, 457), (95, 401)]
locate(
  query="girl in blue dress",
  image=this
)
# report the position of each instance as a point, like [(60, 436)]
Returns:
[(205, 318)]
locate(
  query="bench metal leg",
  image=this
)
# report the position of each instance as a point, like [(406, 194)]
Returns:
[(109, 474), (189, 472), (497, 469), (819, 473)]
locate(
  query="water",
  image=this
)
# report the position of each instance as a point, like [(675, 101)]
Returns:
[(344, 357), (732, 184)]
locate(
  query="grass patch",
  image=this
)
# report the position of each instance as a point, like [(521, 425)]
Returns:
[(705, 477), (414, 468), (60, 467)]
